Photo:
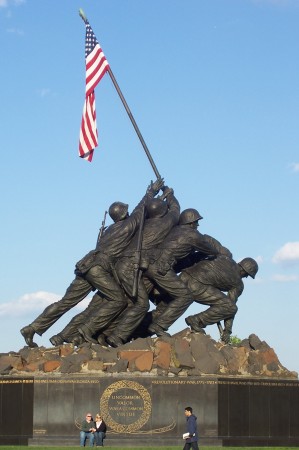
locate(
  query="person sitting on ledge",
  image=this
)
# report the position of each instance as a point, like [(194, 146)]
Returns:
[(100, 432), (88, 428)]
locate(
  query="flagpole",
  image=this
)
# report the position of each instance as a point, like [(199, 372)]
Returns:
[(134, 123), (149, 156)]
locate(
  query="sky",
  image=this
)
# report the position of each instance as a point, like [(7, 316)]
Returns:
[(214, 88)]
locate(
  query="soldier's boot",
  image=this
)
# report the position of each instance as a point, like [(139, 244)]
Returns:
[(195, 324), (28, 333), (156, 329), (225, 337), (87, 334), (102, 340), (56, 340), (77, 340), (114, 341)]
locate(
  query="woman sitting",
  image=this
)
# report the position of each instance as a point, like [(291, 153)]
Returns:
[(100, 432)]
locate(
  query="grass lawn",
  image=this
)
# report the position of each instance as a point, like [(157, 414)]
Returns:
[(18, 447)]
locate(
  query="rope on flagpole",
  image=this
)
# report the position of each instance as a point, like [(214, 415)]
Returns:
[(149, 156)]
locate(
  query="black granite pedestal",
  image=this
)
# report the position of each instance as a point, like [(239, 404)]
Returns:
[(149, 411)]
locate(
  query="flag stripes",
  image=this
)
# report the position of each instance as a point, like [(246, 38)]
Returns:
[(96, 67), (88, 133)]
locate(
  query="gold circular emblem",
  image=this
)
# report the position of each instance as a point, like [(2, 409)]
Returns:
[(126, 406)]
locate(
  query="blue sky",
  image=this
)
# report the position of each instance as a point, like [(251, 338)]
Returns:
[(214, 88)]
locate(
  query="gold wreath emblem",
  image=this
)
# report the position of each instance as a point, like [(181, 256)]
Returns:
[(146, 410)]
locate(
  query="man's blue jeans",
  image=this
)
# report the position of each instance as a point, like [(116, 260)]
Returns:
[(83, 436), (99, 436)]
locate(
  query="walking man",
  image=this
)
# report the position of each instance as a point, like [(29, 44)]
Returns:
[(191, 436)]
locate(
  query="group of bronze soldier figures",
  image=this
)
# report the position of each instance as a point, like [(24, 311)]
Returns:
[(155, 254)]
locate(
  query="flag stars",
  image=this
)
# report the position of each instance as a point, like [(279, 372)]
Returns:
[(90, 40)]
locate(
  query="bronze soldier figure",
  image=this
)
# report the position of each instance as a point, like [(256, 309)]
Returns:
[(94, 271), (162, 216), (207, 280), (183, 240)]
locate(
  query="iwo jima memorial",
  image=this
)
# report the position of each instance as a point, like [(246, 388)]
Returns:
[(117, 357)]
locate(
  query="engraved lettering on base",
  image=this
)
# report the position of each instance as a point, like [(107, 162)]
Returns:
[(126, 406)]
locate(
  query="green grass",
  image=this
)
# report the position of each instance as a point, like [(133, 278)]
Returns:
[(18, 447)]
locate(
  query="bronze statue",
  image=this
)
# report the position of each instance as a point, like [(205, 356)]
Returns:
[(160, 249), (161, 218), (154, 230), (183, 240), (207, 280), (173, 265), (223, 274), (94, 271), (70, 333), (154, 250)]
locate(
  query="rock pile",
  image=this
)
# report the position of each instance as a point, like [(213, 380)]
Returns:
[(183, 354)]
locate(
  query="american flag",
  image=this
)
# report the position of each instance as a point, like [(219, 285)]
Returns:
[(96, 67)]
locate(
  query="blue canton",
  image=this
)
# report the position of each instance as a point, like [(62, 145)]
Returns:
[(90, 40)]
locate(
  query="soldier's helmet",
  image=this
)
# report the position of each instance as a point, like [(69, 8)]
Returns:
[(250, 266), (188, 216), (156, 208), (118, 211)]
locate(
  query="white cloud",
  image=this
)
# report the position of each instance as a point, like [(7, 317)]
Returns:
[(285, 278), (43, 92), (295, 167), (288, 253), (33, 304), (6, 3), (15, 31), (28, 304)]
